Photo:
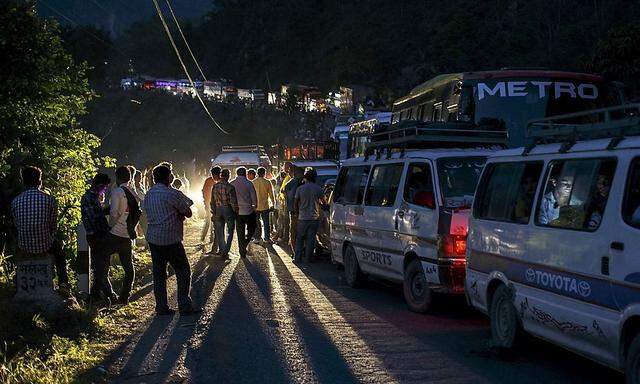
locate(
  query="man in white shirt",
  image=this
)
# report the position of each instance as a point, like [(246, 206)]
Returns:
[(247, 203), (119, 239)]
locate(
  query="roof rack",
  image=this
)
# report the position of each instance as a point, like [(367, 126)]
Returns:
[(415, 135), (242, 148), (611, 122)]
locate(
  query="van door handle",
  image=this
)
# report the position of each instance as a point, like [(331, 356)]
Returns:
[(401, 214), (617, 245)]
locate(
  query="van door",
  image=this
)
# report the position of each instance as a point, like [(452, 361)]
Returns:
[(380, 252), (566, 297), (347, 211), (622, 262), (417, 217)]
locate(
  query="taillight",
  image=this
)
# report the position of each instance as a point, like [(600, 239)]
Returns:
[(453, 245)]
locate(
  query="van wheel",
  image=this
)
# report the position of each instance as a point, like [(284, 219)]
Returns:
[(416, 289), (633, 362), (505, 327), (352, 273)]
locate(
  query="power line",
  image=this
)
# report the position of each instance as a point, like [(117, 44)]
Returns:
[(175, 19), (184, 67)]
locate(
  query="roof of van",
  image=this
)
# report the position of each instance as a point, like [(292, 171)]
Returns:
[(580, 146), (426, 154)]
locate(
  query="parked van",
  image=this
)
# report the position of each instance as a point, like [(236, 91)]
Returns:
[(554, 240), (403, 217)]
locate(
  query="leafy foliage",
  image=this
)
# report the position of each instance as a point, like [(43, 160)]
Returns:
[(44, 94)]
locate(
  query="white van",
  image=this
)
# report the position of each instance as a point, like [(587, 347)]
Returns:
[(554, 246), (404, 218)]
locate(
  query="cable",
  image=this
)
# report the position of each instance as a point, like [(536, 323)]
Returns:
[(185, 40), (184, 67)]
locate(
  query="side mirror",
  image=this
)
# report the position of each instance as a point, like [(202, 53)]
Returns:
[(425, 199)]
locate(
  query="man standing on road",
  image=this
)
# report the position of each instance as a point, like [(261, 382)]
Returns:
[(264, 193), (282, 231), (308, 198), (224, 206), (94, 220), (247, 202), (119, 238), (166, 210), (290, 195), (35, 215), (209, 226)]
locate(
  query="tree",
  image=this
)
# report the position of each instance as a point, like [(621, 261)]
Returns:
[(44, 93)]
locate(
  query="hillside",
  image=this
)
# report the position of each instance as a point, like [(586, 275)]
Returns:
[(144, 128)]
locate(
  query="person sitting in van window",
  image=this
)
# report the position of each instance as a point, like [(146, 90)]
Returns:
[(603, 185), (558, 198)]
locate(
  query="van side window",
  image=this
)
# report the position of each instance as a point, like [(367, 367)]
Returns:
[(351, 185), (507, 192), (383, 185), (631, 206), (576, 193), (418, 185)]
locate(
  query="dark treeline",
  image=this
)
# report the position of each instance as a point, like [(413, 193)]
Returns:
[(391, 45)]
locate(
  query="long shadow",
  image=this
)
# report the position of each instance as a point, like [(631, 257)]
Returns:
[(234, 348), (145, 342), (454, 330), (202, 288), (324, 357)]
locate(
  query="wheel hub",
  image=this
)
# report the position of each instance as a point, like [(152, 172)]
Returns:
[(418, 285)]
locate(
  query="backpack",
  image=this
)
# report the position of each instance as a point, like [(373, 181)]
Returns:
[(134, 213)]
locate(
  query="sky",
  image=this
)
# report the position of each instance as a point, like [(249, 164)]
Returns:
[(114, 16)]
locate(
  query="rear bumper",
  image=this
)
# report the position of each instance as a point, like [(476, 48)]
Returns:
[(452, 275)]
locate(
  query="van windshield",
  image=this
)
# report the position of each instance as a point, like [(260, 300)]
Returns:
[(458, 177)]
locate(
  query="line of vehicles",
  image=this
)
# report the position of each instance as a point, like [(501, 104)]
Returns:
[(519, 189), (220, 90)]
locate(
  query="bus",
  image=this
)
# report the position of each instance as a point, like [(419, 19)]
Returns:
[(505, 99)]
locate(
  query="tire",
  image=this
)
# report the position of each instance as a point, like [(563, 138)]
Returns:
[(417, 293), (506, 331), (352, 273), (632, 368)]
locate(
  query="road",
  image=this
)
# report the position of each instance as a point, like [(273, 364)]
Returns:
[(269, 320)]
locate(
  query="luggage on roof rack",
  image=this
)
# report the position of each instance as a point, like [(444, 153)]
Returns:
[(611, 122), (421, 135)]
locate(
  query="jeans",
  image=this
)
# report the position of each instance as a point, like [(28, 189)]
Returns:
[(99, 256), (224, 217), (60, 261), (306, 238), (293, 226), (174, 255), (245, 227), (209, 226), (266, 228), (122, 246)]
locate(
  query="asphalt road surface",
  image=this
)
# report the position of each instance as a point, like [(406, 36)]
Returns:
[(269, 320)]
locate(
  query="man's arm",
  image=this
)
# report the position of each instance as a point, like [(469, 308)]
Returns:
[(233, 198), (296, 201), (270, 193), (53, 216), (254, 196), (183, 204)]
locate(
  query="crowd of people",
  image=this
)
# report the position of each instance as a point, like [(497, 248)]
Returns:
[(115, 215)]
